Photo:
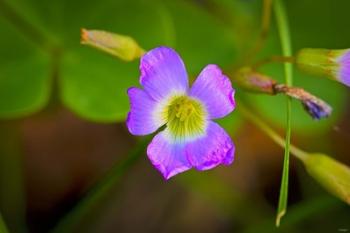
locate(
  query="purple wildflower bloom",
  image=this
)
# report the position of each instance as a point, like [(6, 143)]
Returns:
[(344, 67), (190, 138)]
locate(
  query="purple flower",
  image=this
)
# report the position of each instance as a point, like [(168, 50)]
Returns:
[(344, 67), (190, 137)]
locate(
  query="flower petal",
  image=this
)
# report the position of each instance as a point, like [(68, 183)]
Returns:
[(214, 89), (142, 118), (169, 158), (163, 73), (215, 148), (344, 72)]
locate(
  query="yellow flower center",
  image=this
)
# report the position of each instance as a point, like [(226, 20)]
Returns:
[(185, 117)]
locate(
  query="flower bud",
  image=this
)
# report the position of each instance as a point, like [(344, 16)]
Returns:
[(316, 107), (123, 47), (334, 64), (331, 174), (253, 81)]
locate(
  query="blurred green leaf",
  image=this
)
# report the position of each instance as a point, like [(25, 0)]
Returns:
[(200, 38), (91, 84), (241, 17), (24, 74), (94, 85)]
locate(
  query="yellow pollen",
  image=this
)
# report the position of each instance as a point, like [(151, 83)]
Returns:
[(185, 116), (184, 109)]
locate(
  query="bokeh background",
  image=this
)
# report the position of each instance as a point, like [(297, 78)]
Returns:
[(63, 106)]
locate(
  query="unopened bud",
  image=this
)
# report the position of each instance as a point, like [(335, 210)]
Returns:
[(253, 81), (123, 47), (331, 174), (316, 107), (335, 64)]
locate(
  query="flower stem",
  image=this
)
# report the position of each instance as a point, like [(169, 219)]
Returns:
[(265, 27), (272, 59), (298, 153), (283, 29)]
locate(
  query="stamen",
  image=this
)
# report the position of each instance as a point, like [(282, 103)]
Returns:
[(185, 117)]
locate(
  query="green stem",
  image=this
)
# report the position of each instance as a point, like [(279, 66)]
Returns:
[(265, 27), (281, 59), (283, 29), (93, 197), (298, 153), (3, 228)]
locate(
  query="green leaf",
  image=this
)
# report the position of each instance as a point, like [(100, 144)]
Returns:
[(283, 28), (201, 39), (24, 74), (91, 84), (104, 100), (94, 85)]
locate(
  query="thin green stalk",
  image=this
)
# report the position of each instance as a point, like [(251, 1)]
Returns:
[(265, 27), (93, 197), (3, 228), (283, 29), (280, 59)]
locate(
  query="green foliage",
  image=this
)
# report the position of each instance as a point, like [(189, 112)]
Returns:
[(44, 53), (24, 76), (200, 38), (90, 83), (94, 85), (307, 30)]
